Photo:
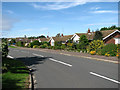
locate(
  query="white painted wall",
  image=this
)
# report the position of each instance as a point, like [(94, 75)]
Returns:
[(117, 40), (52, 42), (76, 38)]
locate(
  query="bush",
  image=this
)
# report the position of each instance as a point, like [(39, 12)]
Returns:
[(42, 46), (57, 47), (30, 45), (63, 46), (36, 42), (20, 44), (83, 42), (35, 46), (109, 49), (94, 45), (4, 49), (58, 43)]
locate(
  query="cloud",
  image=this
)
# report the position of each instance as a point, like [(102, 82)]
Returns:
[(7, 23), (95, 8), (105, 11), (9, 11), (57, 5), (64, 4)]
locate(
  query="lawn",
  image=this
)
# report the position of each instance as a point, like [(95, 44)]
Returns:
[(16, 75), (12, 47)]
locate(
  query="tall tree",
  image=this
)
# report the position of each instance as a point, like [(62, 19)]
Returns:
[(98, 35), (58, 35)]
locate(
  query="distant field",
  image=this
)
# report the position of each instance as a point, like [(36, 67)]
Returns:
[(15, 74)]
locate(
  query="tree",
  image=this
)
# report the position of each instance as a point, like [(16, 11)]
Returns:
[(83, 42), (42, 36), (4, 47), (58, 35), (98, 35)]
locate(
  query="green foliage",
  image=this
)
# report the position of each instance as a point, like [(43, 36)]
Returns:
[(58, 35), (98, 35), (57, 47), (109, 49), (58, 43), (63, 46), (20, 44), (95, 44), (36, 42), (110, 28), (43, 46), (4, 49), (83, 42), (30, 45), (35, 46)]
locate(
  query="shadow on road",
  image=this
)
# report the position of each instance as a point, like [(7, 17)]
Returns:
[(32, 61)]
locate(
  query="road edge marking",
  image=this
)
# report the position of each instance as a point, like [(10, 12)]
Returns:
[(104, 77)]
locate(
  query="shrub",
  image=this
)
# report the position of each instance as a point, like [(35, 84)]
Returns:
[(107, 54), (58, 43), (83, 42), (35, 46), (4, 49), (63, 46), (57, 47), (20, 44), (110, 49), (30, 45), (42, 46), (36, 42), (94, 45)]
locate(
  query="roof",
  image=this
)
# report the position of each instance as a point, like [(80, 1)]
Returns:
[(63, 38), (44, 39), (90, 36)]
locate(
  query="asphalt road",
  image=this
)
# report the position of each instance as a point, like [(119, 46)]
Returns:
[(61, 71)]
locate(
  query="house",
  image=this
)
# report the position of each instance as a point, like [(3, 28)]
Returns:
[(109, 36), (43, 39), (63, 39), (89, 36)]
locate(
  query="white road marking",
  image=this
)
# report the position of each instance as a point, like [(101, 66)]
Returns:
[(60, 62), (115, 81), (37, 55), (10, 56)]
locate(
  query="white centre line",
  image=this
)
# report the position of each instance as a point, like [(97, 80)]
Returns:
[(115, 81), (60, 62), (37, 55), (10, 56)]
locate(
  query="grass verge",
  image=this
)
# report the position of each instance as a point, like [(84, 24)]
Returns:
[(15, 74), (12, 47)]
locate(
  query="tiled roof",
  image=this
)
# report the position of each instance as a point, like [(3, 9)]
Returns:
[(44, 39), (63, 38)]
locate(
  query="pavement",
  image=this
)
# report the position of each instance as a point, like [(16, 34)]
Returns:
[(55, 70)]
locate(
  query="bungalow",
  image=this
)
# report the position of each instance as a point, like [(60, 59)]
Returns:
[(43, 39), (109, 36), (63, 39)]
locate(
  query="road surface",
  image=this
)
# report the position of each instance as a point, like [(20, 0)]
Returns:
[(61, 71)]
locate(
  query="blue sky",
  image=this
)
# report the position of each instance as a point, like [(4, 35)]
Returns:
[(50, 18)]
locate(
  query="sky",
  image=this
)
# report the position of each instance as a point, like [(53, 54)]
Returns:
[(50, 18)]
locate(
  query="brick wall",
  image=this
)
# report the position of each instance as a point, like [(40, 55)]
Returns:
[(111, 38)]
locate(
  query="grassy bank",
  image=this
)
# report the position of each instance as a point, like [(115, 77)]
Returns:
[(15, 74), (12, 47)]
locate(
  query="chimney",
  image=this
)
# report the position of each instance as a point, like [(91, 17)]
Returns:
[(62, 34), (88, 30), (47, 36)]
